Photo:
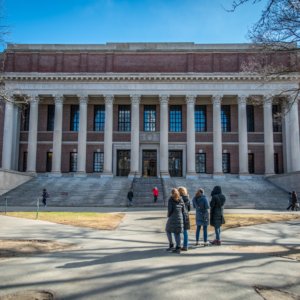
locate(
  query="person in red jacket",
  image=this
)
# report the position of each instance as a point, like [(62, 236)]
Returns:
[(155, 194)]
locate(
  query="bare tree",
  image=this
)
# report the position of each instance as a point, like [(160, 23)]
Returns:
[(277, 36)]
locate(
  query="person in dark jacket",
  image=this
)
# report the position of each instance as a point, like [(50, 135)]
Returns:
[(130, 197), (176, 211), (186, 220), (216, 212), (200, 203), (294, 204), (45, 195)]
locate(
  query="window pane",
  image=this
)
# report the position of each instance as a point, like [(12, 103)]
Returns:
[(49, 162), (74, 118), (276, 118), (200, 118), (250, 118), (99, 117), (175, 118), (98, 161), (73, 162), (50, 117), (200, 162), (225, 118), (251, 162), (124, 117), (25, 118), (149, 117), (226, 162)]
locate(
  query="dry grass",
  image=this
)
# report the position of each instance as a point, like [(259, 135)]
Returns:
[(240, 220), (101, 221)]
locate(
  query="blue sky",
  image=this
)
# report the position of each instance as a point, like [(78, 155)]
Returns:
[(101, 21)]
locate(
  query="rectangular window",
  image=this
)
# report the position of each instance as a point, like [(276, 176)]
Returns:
[(24, 166), (50, 117), (200, 162), (99, 117), (251, 163), (276, 163), (250, 118), (74, 126), (225, 118), (49, 162), (25, 118), (73, 162), (175, 118), (98, 161), (226, 162), (200, 118), (149, 117), (276, 118), (124, 118)]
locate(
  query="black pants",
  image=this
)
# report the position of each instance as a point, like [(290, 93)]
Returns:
[(155, 199)]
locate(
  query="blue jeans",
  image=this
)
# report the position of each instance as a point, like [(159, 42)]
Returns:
[(185, 239), (204, 233), (218, 233), (177, 238)]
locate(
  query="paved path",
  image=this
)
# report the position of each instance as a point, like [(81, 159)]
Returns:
[(131, 262)]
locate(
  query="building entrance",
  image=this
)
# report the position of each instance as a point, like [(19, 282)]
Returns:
[(175, 163), (123, 162), (149, 163)]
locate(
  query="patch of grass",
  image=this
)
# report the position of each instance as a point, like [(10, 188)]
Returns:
[(101, 221), (239, 220)]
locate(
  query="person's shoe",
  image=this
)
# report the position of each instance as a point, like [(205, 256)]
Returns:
[(171, 248), (205, 244), (184, 249), (176, 250), (197, 244), (214, 242)]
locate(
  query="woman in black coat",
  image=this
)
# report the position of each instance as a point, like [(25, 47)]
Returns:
[(174, 224), (216, 212)]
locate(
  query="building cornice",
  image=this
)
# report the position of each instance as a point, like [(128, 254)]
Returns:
[(143, 77)]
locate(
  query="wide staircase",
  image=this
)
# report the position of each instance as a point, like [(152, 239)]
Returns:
[(71, 191), (142, 191), (255, 193)]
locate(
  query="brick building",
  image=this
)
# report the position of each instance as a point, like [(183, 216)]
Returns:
[(151, 109)]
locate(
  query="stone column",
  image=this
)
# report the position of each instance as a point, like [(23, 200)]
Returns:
[(268, 136), (164, 136), (217, 136), (82, 135), (294, 135), (286, 137), (135, 134), (57, 135), (191, 140), (8, 136), (243, 136), (32, 137), (108, 136)]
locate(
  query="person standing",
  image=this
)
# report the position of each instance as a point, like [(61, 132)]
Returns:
[(130, 197), (186, 220), (217, 213), (155, 194), (200, 203), (176, 211), (45, 195), (293, 201)]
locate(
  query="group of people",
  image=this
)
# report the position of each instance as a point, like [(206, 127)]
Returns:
[(178, 221)]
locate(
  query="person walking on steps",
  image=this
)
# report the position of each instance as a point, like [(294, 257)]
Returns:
[(45, 195), (294, 204), (176, 211), (186, 220), (217, 213), (155, 194), (200, 203), (130, 197)]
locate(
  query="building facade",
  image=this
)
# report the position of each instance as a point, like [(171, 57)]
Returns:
[(159, 109)]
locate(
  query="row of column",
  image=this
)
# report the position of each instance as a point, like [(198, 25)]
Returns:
[(290, 125)]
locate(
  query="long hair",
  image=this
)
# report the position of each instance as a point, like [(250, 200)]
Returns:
[(182, 191), (199, 193), (175, 194)]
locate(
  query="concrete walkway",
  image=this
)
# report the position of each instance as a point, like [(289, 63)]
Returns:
[(131, 262)]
